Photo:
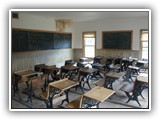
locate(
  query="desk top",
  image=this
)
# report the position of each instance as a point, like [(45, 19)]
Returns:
[(142, 77), (25, 73), (70, 67), (114, 74), (142, 61), (52, 68), (133, 67), (63, 84), (99, 93), (88, 70), (98, 64), (126, 59), (133, 58)]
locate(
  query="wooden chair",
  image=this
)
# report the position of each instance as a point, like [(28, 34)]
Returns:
[(38, 67), (37, 85), (76, 103), (133, 90)]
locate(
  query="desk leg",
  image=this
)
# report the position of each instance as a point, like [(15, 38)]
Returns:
[(30, 92), (15, 86), (87, 81), (80, 86), (67, 98), (132, 97), (16, 90), (109, 83)]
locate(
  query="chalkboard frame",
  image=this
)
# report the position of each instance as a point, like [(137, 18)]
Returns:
[(119, 32), (41, 31)]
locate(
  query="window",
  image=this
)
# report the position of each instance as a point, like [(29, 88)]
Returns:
[(89, 44), (144, 44)]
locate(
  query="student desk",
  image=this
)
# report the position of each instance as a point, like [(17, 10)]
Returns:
[(97, 59), (142, 77), (69, 70), (86, 73), (51, 71), (110, 77), (125, 63), (59, 87), (141, 63), (23, 76), (140, 84), (96, 95), (99, 67), (134, 69)]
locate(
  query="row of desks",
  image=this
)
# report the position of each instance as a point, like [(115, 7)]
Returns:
[(65, 85)]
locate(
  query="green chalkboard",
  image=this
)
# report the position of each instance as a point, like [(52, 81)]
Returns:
[(19, 41), (32, 40), (62, 41), (117, 40)]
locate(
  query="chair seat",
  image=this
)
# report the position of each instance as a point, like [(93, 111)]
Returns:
[(44, 95), (127, 87), (76, 103)]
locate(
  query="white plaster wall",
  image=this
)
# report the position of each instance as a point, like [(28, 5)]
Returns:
[(28, 21), (135, 24)]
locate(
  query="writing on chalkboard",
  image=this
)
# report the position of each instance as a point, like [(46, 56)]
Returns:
[(27, 40), (117, 40)]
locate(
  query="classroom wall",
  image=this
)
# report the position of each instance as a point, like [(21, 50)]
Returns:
[(112, 24), (27, 60), (28, 21)]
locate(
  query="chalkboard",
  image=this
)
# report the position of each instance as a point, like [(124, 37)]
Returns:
[(62, 41), (40, 41), (117, 40), (19, 40), (31, 40)]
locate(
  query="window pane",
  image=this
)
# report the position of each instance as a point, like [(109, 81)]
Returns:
[(89, 41), (144, 44), (89, 51), (89, 35), (145, 49), (144, 36)]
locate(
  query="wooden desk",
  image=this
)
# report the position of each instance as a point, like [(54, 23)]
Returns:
[(141, 83), (61, 86), (97, 59), (99, 94), (142, 77), (69, 70), (141, 63), (39, 67), (99, 67), (134, 69), (86, 73), (125, 63), (136, 89), (24, 76), (110, 77), (51, 71)]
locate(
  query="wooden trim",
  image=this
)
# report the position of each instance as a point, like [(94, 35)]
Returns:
[(40, 51), (35, 30), (119, 50), (115, 32), (77, 48)]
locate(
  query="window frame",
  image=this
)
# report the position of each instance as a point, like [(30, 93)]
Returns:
[(144, 41), (83, 42)]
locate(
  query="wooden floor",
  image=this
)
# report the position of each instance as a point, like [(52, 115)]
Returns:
[(116, 101)]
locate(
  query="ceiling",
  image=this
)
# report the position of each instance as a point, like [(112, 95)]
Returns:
[(82, 16)]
